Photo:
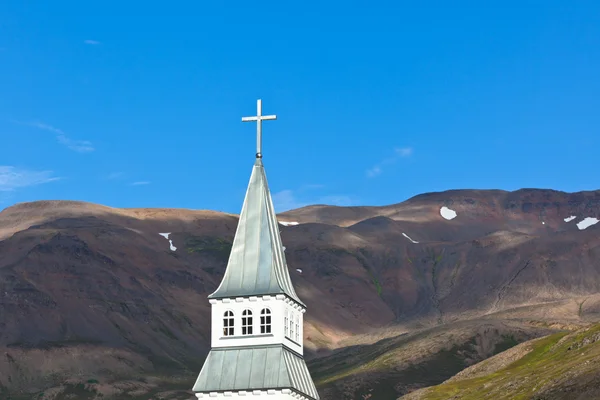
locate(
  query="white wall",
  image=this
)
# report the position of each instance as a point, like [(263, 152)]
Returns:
[(277, 304)]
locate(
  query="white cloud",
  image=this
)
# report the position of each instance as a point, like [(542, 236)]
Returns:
[(80, 146), (12, 178), (115, 175), (399, 152), (373, 172), (287, 200), (139, 183), (404, 151), (45, 127), (91, 42)]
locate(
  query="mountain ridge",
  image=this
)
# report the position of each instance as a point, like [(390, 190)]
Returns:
[(80, 279)]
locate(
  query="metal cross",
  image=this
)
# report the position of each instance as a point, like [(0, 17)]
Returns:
[(259, 119)]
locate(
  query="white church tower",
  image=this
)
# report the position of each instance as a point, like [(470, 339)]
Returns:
[(257, 317)]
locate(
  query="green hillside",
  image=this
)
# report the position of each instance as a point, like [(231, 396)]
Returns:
[(559, 366)]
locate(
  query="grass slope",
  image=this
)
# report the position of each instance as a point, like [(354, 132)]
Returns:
[(398, 364), (559, 366)]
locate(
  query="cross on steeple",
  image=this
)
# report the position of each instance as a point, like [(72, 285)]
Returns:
[(259, 118)]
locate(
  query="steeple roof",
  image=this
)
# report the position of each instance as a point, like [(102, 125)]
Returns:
[(255, 368), (257, 265)]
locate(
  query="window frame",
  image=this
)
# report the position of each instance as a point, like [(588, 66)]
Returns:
[(266, 321), (292, 326), (247, 322), (228, 322)]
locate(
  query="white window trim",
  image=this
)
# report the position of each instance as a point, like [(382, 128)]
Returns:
[(264, 313), (228, 315), (291, 326), (247, 314)]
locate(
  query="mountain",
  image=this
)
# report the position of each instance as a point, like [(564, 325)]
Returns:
[(104, 300)]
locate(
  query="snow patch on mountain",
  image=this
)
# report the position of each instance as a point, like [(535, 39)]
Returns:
[(166, 236), (408, 237), (447, 213), (284, 223), (587, 222)]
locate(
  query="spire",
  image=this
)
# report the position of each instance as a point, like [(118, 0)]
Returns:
[(257, 264)]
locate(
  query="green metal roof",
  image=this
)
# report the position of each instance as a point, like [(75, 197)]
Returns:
[(257, 263), (255, 368)]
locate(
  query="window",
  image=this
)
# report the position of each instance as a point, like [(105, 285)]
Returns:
[(297, 328), (228, 323), (285, 323), (292, 326), (247, 322), (265, 321)]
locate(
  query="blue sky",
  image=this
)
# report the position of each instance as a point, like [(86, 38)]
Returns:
[(139, 104)]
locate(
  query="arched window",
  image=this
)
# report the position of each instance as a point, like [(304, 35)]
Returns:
[(285, 323), (297, 328), (228, 323), (265, 321), (292, 326), (247, 322)]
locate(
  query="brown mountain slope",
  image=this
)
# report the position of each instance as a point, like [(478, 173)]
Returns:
[(479, 212), (98, 294)]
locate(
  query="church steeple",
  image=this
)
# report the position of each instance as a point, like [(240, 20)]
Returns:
[(257, 265), (257, 317)]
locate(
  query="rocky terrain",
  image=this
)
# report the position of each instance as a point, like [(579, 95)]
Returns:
[(94, 300)]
